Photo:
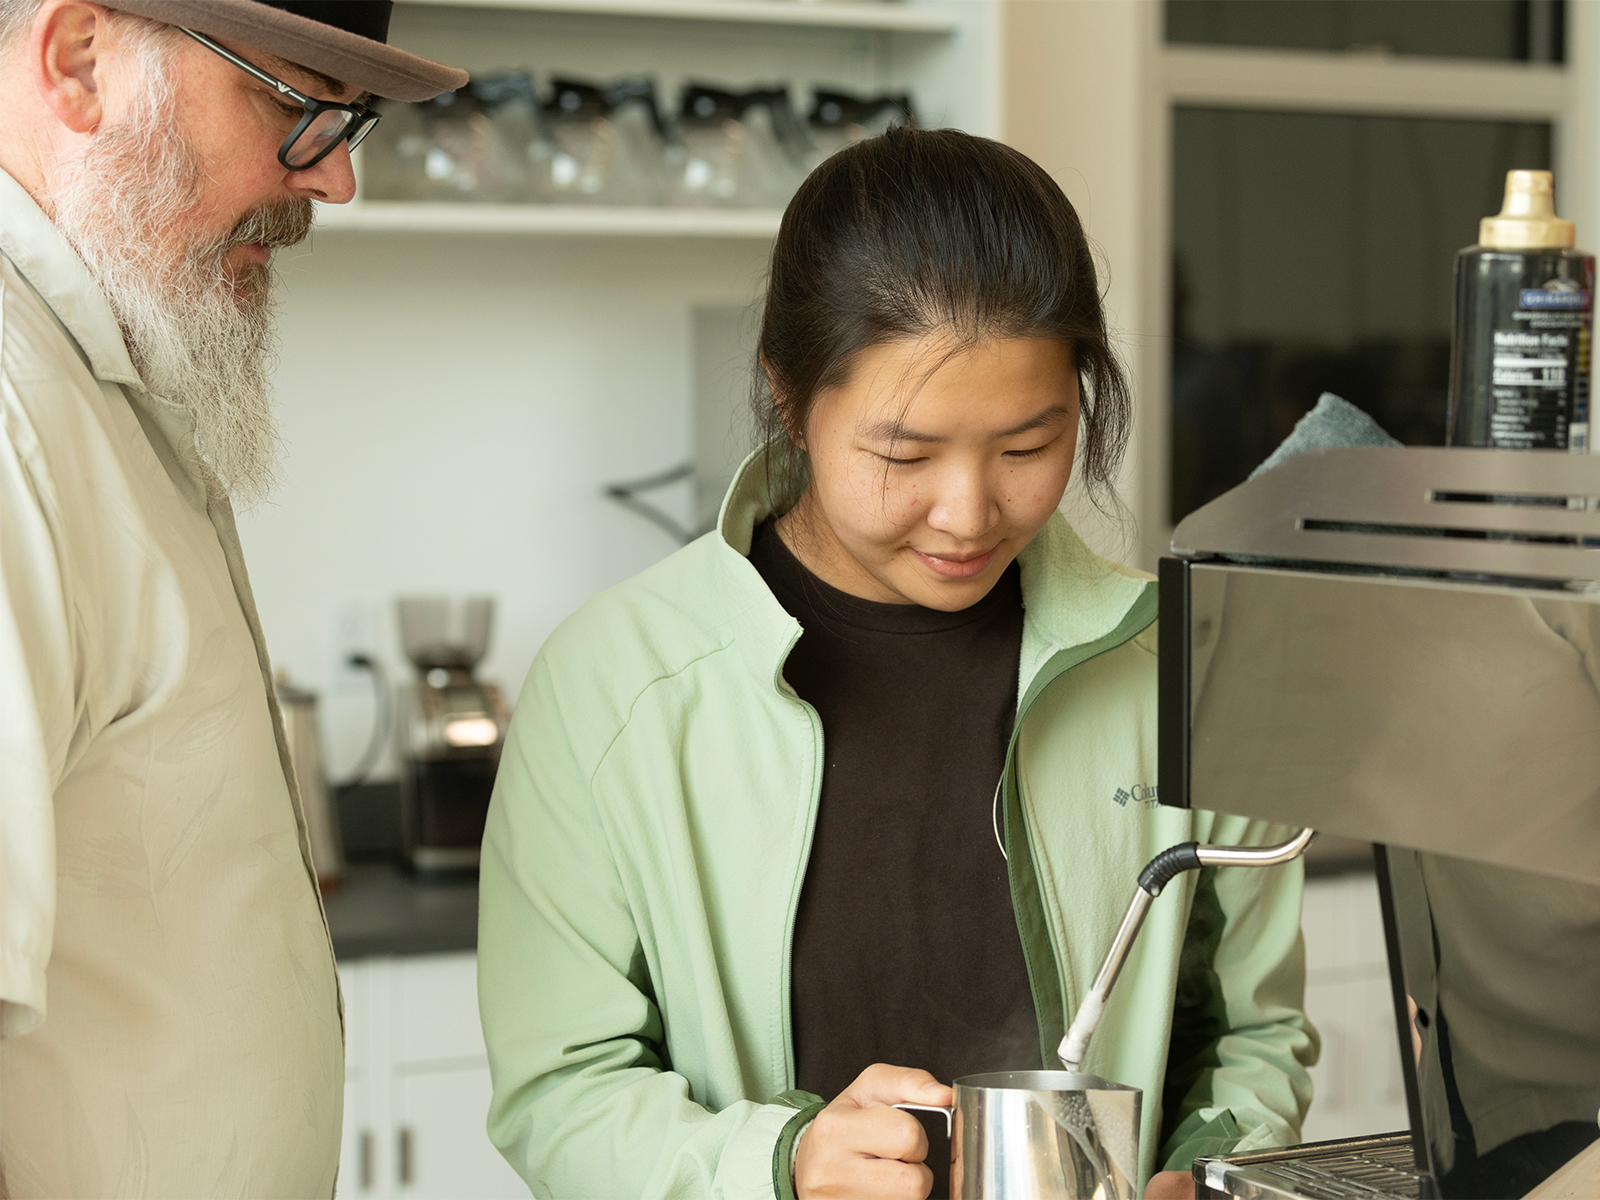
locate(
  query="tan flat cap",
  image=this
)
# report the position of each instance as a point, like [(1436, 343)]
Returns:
[(347, 39)]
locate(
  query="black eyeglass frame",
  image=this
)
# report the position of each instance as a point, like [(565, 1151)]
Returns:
[(362, 118)]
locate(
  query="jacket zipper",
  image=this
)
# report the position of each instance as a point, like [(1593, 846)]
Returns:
[(1053, 996), (800, 868)]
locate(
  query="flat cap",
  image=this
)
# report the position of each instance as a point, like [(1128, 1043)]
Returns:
[(346, 39)]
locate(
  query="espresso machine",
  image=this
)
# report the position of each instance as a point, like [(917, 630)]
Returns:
[(452, 726), (1402, 645)]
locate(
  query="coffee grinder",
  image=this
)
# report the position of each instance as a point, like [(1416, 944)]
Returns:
[(451, 729)]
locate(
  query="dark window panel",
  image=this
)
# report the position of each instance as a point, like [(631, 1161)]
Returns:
[(1312, 253), (1511, 30)]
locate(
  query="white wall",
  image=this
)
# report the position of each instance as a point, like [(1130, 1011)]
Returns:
[(1079, 100), (451, 407), (1578, 142)]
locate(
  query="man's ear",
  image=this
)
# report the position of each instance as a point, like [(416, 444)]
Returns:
[(797, 436), (66, 51)]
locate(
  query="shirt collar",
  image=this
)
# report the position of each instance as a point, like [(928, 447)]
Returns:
[(44, 257)]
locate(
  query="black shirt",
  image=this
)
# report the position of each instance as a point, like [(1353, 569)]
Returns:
[(906, 948)]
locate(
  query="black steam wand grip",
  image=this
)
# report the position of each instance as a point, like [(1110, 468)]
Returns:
[(1168, 865), (1158, 872)]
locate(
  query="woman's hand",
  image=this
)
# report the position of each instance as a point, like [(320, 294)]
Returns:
[(860, 1147), (1170, 1185)]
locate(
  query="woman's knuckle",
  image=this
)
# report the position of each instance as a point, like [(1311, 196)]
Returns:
[(908, 1139), (913, 1181)]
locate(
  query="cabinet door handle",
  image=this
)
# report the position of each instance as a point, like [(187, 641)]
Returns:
[(406, 1155), (366, 1160)]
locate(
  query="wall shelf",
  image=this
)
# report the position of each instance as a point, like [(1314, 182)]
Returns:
[(534, 219), (892, 16)]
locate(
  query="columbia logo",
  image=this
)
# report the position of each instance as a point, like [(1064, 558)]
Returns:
[(1141, 793)]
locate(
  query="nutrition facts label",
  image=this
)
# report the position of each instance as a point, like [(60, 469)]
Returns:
[(1539, 381), (1531, 371)]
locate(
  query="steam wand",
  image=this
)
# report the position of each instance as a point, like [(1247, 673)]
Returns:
[(1160, 871)]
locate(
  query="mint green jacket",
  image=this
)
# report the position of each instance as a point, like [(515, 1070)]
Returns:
[(648, 838)]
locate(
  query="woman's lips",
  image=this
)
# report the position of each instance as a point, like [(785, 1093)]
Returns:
[(956, 568)]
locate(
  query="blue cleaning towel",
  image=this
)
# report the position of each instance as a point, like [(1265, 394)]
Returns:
[(1333, 422)]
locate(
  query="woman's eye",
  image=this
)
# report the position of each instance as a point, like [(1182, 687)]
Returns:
[(899, 462), (1034, 453)]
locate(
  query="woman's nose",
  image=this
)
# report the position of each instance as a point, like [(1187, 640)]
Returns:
[(966, 508)]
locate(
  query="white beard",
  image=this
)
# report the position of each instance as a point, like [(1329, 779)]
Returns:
[(201, 336)]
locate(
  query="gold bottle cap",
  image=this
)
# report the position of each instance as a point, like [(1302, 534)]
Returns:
[(1527, 220)]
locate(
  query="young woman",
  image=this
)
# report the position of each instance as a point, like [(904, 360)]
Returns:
[(845, 799)]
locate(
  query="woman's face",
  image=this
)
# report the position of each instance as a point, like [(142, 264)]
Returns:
[(931, 470)]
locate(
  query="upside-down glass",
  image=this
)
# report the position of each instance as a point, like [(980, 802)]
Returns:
[(606, 143), (736, 149), (324, 126), (840, 119)]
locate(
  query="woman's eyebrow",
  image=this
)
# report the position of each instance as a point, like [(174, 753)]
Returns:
[(893, 429), (1045, 416)]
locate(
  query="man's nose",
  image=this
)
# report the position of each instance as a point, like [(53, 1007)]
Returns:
[(332, 181)]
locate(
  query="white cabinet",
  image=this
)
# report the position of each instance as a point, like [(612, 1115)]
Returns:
[(417, 1083), (1358, 1084), (443, 1152)]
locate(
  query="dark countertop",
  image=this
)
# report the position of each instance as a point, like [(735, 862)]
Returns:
[(384, 909)]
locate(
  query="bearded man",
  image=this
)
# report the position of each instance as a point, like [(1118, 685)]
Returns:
[(169, 1011)]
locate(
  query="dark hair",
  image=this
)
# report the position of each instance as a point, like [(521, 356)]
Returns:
[(920, 232)]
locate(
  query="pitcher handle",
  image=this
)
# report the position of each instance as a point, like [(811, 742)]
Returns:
[(948, 1113)]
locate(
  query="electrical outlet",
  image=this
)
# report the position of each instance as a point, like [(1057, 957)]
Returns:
[(355, 631)]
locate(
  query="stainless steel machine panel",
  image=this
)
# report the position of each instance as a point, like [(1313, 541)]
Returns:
[(1462, 719), (1400, 645)]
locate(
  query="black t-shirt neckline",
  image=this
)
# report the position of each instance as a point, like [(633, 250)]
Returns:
[(799, 589)]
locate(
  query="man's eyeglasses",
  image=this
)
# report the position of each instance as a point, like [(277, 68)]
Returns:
[(324, 126)]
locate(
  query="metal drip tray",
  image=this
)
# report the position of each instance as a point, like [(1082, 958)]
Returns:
[(1372, 1168)]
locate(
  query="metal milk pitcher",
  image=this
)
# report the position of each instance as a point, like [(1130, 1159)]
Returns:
[(1042, 1135)]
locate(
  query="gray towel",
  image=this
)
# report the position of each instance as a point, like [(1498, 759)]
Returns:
[(1333, 422)]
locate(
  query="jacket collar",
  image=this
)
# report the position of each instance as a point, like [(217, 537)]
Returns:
[(1071, 596), (764, 630)]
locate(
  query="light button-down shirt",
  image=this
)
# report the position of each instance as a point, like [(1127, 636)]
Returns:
[(169, 1011)]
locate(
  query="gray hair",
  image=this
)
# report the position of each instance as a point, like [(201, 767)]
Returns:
[(16, 16)]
